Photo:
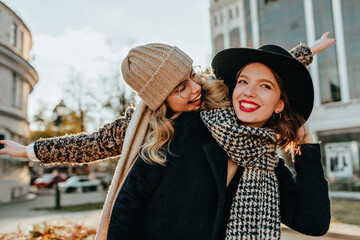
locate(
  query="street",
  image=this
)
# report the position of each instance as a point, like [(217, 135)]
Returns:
[(21, 214)]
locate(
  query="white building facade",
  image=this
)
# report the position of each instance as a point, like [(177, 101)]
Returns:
[(335, 120), (17, 80)]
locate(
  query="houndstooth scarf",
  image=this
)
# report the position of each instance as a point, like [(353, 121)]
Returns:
[(255, 212)]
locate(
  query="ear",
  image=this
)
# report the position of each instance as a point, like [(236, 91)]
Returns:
[(280, 106)]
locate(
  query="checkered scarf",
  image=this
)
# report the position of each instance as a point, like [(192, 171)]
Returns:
[(255, 212)]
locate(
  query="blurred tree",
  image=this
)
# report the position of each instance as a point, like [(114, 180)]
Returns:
[(115, 96), (70, 124)]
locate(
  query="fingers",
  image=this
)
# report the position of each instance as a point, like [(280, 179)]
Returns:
[(3, 151), (325, 35), (5, 142)]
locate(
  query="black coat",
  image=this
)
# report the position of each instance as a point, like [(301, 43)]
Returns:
[(186, 199)]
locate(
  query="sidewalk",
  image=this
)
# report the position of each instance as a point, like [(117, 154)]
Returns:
[(339, 195), (336, 231), (91, 218), (17, 215)]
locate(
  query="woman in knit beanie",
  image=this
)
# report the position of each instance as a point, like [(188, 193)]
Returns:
[(158, 73)]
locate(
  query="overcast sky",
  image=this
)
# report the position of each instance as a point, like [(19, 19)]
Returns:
[(90, 36)]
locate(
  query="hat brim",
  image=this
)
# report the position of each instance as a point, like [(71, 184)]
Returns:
[(296, 78)]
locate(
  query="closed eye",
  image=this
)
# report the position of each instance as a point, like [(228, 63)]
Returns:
[(266, 86), (181, 87), (241, 81)]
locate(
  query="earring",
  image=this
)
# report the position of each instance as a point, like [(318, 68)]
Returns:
[(276, 115)]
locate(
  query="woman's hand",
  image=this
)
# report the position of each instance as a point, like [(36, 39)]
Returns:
[(305, 135), (13, 149), (322, 43)]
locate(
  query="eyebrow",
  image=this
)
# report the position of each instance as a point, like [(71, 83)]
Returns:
[(261, 79), (180, 84)]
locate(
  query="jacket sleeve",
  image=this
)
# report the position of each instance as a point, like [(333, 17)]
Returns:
[(138, 188), (304, 199), (302, 53), (83, 148)]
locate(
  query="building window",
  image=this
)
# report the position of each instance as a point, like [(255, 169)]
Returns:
[(215, 21), (351, 21), (235, 38), (221, 18), (13, 34), (20, 93), (17, 92), (282, 22), (22, 42), (294, 25), (237, 11), (230, 14), (328, 67), (14, 89), (219, 43), (269, 1)]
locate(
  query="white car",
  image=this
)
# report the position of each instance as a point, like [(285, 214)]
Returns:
[(79, 183)]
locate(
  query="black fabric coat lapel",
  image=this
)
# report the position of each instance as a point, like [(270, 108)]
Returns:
[(217, 159)]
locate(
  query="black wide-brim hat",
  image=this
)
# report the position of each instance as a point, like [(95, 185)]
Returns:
[(295, 76)]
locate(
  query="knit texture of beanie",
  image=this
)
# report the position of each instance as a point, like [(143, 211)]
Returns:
[(154, 70)]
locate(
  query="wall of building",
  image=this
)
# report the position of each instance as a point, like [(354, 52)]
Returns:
[(17, 80), (21, 41)]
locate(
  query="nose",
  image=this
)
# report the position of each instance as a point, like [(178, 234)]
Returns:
[(195, 87), (250, 91)]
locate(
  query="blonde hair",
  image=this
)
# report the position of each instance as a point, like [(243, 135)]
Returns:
[(215, 94)]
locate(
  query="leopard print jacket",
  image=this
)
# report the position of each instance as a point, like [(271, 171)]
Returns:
[(84, 148), (107, 141)]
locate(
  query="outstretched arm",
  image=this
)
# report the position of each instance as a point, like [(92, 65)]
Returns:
[(79, 148), (322, 43), (305, 54)]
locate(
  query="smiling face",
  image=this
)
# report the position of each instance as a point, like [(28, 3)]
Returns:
[(186, 96), (256, 95)]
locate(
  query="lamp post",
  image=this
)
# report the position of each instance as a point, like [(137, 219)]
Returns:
[(58, 111)]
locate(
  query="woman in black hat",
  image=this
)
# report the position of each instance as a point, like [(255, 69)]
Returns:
[(272, 97)]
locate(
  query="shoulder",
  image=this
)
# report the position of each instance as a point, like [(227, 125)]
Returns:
[(189, 127), (128, 114), (188, 121)]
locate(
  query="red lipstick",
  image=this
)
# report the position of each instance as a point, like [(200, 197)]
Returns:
[(243, 105)]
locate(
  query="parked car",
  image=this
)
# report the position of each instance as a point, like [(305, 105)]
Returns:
[(82, 183), (48, 180), (105, 179)]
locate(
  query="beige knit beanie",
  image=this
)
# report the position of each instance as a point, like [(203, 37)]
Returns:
[(154, 70)]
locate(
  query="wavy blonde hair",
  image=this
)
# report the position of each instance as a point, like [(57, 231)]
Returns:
[(154, 150)]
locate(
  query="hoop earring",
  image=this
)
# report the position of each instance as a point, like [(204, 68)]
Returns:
[(276, 115)]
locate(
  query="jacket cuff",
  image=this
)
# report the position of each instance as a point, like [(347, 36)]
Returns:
[(31, 152), (309, 158)]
